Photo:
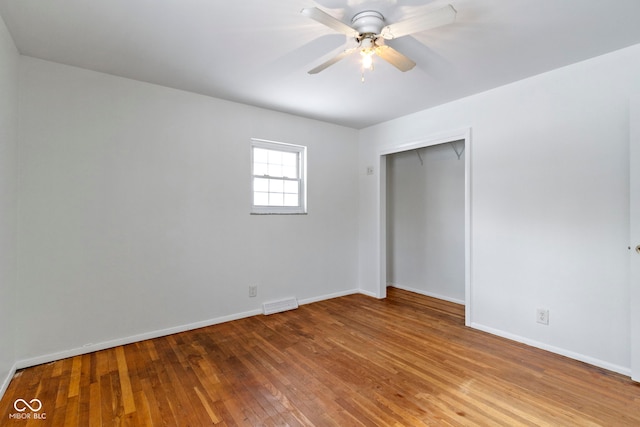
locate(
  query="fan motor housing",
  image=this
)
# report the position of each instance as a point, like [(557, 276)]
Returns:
[(368, 21)]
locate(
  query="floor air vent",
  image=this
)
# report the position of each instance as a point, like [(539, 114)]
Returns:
[(278, 306)]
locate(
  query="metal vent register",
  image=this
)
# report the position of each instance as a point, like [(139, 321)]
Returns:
[(279, 306)]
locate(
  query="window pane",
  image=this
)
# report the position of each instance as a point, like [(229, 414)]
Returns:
[(275, 157), (276, 199), (275, 170), (261, 199), (260, 155), (276, 186), (290, 200), (291, 187), (261, 184), (290, 159), (290, 171), (260, 169)]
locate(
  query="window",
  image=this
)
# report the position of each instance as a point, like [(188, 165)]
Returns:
[(277, 178)]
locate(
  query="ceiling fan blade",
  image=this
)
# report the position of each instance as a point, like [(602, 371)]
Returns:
[(437, 18), (332, 61), (328, 20), (395, 58)]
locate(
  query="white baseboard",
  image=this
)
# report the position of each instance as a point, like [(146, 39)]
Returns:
[(46, 358), (553, 349), (25, 363), (427, 293), (369, 293), (7, 380), (329, 296)]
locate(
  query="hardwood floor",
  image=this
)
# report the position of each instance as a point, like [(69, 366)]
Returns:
[(404, 361)]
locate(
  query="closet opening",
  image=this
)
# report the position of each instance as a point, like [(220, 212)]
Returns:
[(425, 218)]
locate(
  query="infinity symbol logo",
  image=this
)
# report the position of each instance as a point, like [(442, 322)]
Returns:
[(37, 405)]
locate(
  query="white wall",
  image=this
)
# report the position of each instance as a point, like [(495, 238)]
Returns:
[(549, 204), (135, 211), (8, 199), (425, 221), (134, 202)]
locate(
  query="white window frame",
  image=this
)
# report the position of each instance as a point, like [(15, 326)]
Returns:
[(301, 151)]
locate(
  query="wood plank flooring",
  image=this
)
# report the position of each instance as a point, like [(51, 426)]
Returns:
[(351, 361)]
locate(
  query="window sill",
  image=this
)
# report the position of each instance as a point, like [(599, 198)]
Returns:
[(277, 213)]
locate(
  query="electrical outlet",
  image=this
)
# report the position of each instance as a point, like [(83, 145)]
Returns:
[(253, 290), (542, 316)]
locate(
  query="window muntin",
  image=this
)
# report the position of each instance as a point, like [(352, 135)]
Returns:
[(277, 177)]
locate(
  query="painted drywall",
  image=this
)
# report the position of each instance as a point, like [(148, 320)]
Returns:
[(425, 221), (8, 199), (549, 204), (135, 211)]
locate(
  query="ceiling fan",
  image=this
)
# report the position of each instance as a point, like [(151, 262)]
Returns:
[(370, 32)]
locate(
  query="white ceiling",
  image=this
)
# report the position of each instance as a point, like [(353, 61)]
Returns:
[(259, 51)]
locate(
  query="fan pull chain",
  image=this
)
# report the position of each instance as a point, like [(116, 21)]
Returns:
[(363, 69)]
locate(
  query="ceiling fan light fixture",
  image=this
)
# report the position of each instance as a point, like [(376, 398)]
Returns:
[(367, 58), (368, 21), (369, 30), (367, 49)]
